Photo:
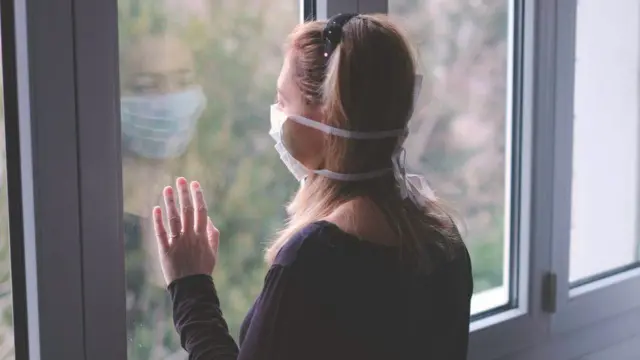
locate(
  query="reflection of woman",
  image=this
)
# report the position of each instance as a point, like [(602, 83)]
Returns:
[(368, 267), (160, 107)]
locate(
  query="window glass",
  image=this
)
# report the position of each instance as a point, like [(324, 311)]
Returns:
[(461, 130), (197, 80), (606, 128), (6, 299)]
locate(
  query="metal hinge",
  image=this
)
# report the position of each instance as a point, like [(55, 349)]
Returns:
[(549, 292)]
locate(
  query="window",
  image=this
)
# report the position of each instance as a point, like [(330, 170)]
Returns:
[(461, 136), (527, 126), (606, 156), (6, 300), (197, 79)]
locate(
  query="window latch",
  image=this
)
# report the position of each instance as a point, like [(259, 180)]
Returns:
[(549, 292)]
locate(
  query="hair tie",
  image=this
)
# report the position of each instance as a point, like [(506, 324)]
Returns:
[(332, 33)]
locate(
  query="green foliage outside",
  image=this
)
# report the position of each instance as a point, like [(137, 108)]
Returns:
[(237, 52), (6, 301)]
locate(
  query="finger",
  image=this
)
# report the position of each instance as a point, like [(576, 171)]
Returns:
[(213, 235), (172, 212), (161, 233), (186, 207), (201, 208)]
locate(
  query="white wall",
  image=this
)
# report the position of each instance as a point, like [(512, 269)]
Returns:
[(606, 131)]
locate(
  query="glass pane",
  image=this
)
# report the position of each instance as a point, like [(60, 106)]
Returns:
[(197, 80), (6, 299), (606, 130), (458, 132)]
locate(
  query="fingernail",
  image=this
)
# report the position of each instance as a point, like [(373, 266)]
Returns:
[(182, 181)]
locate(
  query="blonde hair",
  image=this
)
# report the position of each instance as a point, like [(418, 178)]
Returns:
[(367, 85)]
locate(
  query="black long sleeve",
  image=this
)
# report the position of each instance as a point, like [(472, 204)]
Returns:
[(329, 295), (281, 323), (198, 319)]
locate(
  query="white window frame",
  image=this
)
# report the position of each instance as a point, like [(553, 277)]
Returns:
[(602, 299), (526, 324), (556, 310)]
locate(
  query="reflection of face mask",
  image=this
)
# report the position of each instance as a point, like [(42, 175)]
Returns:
[(161, 126)]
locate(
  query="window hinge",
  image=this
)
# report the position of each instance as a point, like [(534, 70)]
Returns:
[(549, 292)]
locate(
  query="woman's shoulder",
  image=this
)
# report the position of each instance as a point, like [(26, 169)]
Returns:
[(311, 242)]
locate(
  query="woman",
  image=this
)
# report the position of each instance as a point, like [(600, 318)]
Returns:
[(367, 267)]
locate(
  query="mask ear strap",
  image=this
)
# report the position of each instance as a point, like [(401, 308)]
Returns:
[(408, 190), (348, 134), (399, 169)]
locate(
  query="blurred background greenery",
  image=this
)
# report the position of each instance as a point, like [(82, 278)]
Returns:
[(232, 50)]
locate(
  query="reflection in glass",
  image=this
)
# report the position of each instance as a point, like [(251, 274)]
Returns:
[(197, 81), (6, 300), (161, 102), (458, 132), (606, 128)]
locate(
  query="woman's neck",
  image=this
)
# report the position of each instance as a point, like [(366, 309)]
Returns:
[(362, 218)]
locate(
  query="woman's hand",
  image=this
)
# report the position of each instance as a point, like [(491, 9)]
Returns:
[(190, 247)]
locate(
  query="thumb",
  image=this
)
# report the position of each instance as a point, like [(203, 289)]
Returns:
[(213, 235)]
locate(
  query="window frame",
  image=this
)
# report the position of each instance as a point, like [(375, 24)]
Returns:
[(308, 10), (512, 330), (582, 305), (528, 325), (100, 173), (548, 98), (43, 177), (327, 8), (63, 157), (14, 183)]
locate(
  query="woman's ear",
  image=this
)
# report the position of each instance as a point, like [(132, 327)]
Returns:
[(315, 113), (317, 141)]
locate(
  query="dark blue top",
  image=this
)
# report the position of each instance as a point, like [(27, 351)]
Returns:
[(330, 295)]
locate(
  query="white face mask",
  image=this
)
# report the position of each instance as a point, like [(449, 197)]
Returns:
[(161, 126), (411, 185), (278, 119)]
